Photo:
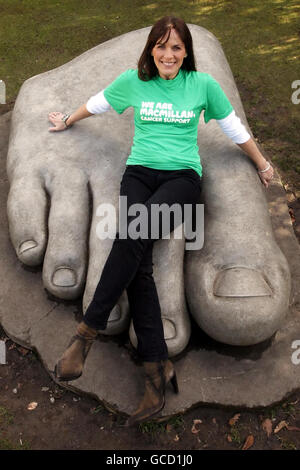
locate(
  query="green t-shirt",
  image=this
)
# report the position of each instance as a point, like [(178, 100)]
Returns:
[(166, 116)]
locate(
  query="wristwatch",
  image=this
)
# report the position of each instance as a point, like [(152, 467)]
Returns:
[(65, 118)]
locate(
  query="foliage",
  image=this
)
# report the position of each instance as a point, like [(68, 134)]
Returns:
[(260, 40)]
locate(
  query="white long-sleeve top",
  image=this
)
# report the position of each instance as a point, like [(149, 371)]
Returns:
[(231, 125)]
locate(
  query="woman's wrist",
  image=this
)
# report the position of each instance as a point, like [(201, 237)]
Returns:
[(267, 167), (80, 113), (262, 165), (66, 120)]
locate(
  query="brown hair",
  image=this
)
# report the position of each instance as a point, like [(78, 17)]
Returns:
[(146, 66)]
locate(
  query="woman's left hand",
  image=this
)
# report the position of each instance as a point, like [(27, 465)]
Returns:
[(266, 176), (56, 119)]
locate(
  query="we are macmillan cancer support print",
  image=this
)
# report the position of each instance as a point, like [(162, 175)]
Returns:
[(164, 112)]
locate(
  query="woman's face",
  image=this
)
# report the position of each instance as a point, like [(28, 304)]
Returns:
[(168, 56)]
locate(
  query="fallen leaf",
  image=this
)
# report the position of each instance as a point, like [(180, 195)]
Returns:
[(176, 438), (248, 442), (292, 428), (194, 428), (32, 405), (267, 426), (282, 424), (214, 420), (234, 419), (229, 438)]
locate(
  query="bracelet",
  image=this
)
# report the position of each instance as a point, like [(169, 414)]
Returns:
[(266, 169), (65, 118)]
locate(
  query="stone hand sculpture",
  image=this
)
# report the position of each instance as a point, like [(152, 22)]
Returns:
[(237, 287)]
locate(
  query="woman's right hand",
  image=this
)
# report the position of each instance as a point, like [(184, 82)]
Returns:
[(56, 119)]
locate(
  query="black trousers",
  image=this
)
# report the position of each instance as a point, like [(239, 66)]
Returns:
[(129, 265)]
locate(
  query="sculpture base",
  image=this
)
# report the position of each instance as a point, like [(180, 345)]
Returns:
[(208, 372)]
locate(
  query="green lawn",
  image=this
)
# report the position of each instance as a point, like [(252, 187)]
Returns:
[(261, 39)]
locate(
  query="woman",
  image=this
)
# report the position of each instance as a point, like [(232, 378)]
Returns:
[(168, 95)]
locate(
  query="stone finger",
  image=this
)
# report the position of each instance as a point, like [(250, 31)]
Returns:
[(27, 210), (65, 259)]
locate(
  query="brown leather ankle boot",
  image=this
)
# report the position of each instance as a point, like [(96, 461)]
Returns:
[(70, 365), (157, 375)]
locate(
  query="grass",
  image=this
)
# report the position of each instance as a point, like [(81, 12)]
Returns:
[(154, 427), (5, 416), (177, 422), (260, 40), (235, 435), (287, 444), (289, 409), (98, 409), (281, 411), (6, 444)]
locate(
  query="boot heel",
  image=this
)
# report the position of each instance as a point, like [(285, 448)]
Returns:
[(174, 383)]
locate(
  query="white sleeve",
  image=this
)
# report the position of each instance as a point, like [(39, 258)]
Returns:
[(233, 128), (98, 104)]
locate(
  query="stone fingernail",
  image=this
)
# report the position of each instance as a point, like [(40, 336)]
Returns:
[(27, 245), (169, 329), (241, 281), (64, 277)]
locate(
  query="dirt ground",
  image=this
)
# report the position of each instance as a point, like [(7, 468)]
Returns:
[(36, 414)]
